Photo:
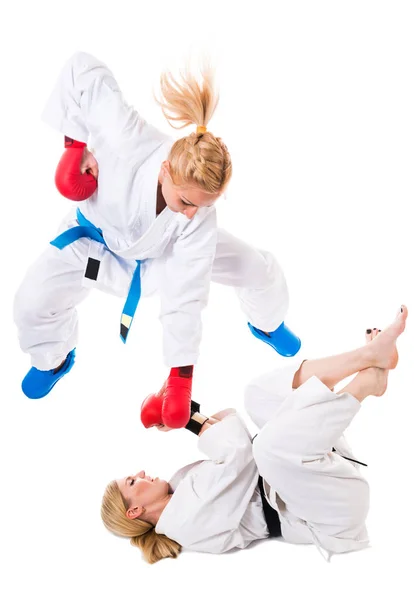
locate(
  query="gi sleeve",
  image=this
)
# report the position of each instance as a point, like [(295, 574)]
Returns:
[(228, 479), (86, 100), (227, 442), (213, 498), (184, 288)]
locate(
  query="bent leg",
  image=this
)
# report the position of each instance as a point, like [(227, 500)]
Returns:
[(265, 394), (319, 491), (45, 307), (257, 278)]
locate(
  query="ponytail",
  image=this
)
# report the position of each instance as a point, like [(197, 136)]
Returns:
[(199, 159), (155, 546)]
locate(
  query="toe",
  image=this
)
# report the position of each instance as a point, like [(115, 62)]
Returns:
[(374, 332), (403, 312), (368, 335), (400, 320)]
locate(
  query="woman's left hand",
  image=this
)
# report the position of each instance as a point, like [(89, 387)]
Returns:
[(89, 163)]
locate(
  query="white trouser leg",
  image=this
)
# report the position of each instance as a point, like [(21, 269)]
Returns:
[(257, 278), (319, 489), (44, 307), (265, 394)]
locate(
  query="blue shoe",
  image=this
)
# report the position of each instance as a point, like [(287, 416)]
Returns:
[(38, 384), (283, 340)]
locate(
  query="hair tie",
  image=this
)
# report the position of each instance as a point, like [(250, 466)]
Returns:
[(201, 129)]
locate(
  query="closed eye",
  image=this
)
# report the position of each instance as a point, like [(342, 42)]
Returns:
[(131, 482)]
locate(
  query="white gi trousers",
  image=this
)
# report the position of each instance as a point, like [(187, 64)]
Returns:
[(320, 496), (45, 304)]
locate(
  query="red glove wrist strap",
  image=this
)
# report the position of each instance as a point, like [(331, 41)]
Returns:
[(71, 143), (186, 372)]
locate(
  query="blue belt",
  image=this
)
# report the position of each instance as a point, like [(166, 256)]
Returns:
[(88, 230)]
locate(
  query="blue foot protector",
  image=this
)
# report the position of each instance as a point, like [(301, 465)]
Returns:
[(283, 340), (38, 384)]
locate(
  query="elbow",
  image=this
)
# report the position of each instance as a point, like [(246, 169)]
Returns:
[(82, 62)]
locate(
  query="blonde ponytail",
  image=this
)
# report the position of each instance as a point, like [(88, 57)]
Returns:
[(199, 159), (187, 101), (154, 546)]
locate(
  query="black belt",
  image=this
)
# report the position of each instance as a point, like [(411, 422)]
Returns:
[(270, 514), (351, 459)]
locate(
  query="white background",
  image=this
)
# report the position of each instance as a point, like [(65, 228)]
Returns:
[(316, 108)]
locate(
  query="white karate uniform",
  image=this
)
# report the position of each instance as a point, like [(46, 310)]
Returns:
[(179, 256), (320, 497), (216, 504)]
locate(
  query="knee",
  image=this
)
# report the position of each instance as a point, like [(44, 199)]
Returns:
[(270, 277), (268, 272), (260, 269), (21, 303), (274, 272), (253, 269), (28, 304)]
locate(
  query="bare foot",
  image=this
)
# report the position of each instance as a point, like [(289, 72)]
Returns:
[(373, 380), (369, 382), (382, 344)]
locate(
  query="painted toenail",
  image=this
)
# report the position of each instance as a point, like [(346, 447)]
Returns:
[(368, 330)]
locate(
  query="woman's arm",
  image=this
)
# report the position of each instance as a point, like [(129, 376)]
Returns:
[(216, 418), (185, 285), (210, 421), (86, 100), (216, 493)]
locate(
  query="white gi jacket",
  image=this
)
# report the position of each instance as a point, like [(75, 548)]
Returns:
[(87, 103), (216, 504)]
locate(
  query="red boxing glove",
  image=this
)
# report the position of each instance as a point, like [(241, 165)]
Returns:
[(151, 409), (69, 180), (172, 405)]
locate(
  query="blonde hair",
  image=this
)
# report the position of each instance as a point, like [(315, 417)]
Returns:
[(199, 159), (154, 546)]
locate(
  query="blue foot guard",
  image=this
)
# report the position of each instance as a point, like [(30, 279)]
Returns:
[(38, 384), (283, 340)]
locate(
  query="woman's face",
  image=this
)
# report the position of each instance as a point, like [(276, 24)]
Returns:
[(141, 490), (185, 200)]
